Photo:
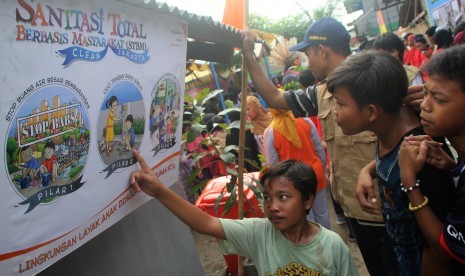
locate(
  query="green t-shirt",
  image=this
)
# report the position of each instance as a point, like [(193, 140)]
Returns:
[(273, 254)]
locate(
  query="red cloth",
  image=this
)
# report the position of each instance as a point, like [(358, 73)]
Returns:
[(286, 150), (48, 163), (408, 57), (416, 57)]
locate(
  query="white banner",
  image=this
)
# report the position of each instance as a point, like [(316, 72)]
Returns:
[(83, 83)]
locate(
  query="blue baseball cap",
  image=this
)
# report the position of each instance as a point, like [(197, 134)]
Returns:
[(326, 31)]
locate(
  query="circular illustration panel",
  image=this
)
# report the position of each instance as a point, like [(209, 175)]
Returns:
[(48, 145), (121, 124), (164, 113)]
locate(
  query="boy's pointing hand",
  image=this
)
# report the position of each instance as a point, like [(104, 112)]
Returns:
[(144, 179)]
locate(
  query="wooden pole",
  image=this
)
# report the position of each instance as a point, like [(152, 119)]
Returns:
[(240, 170)]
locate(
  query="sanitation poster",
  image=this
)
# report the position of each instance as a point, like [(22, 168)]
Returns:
[(83, 84)]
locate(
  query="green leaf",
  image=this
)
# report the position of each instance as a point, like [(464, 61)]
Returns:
[(231, 147), (211, 95), (199, 156), (230, 202), (230, 186), (202, 94), (227, 110), (218, 201), (228, 157), (188, 98), (253, 163), (256, 191), (235, 124), (192, 175), (199, 187), (194, 132), (223, 126), (232, 172)]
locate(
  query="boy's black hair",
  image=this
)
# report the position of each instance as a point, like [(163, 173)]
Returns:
[(431, 30), (420, 38), (23, 148), (449, 64), (389, 42), (443, 39), (210, 119), (298, 173), (130, 118), (111, 100), (372, 77), (50, 145)]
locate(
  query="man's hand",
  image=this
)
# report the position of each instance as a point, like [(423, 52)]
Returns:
[(248, 41), (365, 195), (414, 97), (145, 179)]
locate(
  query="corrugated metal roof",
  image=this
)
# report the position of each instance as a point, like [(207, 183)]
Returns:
[(214, 31)]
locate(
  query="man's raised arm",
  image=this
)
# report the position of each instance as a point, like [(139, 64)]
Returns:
[(267, 90)]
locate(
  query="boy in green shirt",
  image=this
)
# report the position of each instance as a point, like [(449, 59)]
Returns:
[(282, 243)]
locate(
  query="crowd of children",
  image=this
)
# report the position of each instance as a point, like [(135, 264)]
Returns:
[(385, 116)]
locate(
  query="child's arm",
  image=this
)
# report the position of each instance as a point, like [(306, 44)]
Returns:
[(146, 180), (411, 161), (364, 192)]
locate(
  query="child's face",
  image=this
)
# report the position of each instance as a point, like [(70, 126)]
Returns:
[(283, 204), (128, 124), (251, 112), (113, 105), (48, 152), (442, 110), (349, 117), (420, 46), (26, 155)]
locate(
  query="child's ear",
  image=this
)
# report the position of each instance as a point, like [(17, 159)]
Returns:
[(372, 112), (309, 202)]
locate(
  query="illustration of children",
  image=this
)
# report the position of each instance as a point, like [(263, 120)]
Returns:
[(30, 167), (168, 128), (170, 100), (172, 126), (153, 120), (130, 134), (161, 128), (50, 163), (112, 117)]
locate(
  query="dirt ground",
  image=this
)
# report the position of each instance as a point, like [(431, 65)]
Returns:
[(213, 261)]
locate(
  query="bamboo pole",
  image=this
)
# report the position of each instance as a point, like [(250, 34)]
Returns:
[(240, 170)]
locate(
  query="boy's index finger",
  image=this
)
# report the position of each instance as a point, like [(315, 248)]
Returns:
[(143, 165)]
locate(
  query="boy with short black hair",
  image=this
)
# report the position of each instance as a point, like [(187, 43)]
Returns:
[(442, 114), (284, 242), (392, 44), (368, 89), (130, 137)]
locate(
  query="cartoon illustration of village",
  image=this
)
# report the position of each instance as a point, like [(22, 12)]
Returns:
[(47, 143), (164, 113)]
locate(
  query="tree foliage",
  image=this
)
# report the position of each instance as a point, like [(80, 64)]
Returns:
[(295, 25), (291, 26)]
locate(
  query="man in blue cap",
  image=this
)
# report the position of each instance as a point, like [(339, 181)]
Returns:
[(326, 45)]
